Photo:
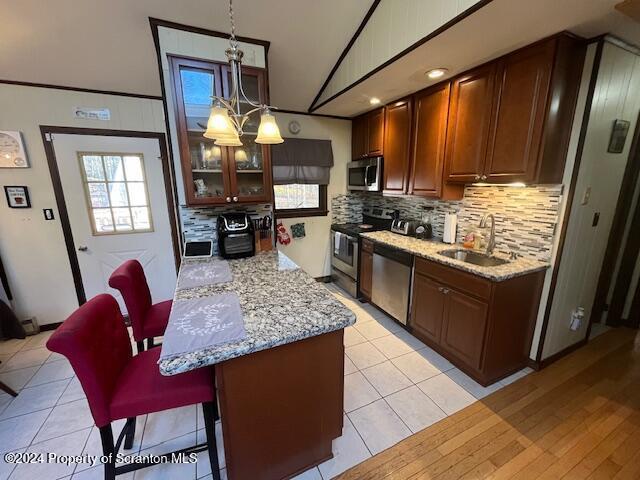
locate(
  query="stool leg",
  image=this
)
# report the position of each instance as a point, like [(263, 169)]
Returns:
[(108, 449), (140, 346), (131, 433), (210, 429)]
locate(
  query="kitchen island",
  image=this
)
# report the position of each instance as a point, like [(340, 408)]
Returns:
[(280, 387)]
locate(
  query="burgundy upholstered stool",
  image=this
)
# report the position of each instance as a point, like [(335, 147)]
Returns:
[(119, 385), (147, 320)]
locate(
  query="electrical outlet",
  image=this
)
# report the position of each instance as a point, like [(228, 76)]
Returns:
[(48, 213), (586, 196)]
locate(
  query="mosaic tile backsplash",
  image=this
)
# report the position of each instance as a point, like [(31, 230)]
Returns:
[(526, 217), (199, 223)]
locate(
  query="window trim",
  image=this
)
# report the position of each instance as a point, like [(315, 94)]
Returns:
[(87, 193), (320, 211)]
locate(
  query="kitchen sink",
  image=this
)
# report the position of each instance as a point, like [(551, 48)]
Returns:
[(475, 258)]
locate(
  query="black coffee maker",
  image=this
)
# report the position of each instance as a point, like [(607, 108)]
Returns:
[(236, 237)]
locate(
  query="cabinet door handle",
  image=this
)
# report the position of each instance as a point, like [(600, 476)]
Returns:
[(235, 199), (477, 177), (445, 290), (441, 289), (228, 199), (484, 177)]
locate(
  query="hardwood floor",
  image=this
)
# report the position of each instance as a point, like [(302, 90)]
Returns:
[(578, 418)]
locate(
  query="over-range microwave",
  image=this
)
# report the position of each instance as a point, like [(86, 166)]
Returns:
[(365, 174)]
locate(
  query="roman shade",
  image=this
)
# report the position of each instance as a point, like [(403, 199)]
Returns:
[(301, 160)]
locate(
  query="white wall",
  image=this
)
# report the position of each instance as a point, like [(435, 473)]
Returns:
[(32, 249), (313, 253), (394, 26), (616, 96)]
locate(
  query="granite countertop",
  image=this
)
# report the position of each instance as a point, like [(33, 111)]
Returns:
[(429, 249), (280, 303)]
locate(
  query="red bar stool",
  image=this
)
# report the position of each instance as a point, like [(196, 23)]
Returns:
[(147, 320), (119, 385)]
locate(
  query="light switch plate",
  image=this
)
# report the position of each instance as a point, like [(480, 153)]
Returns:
[(586, 196)]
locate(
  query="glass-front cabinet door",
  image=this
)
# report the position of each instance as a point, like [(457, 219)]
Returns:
[(249, 164), (213, 174)]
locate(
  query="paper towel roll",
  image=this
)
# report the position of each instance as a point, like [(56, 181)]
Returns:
[(450, 225)]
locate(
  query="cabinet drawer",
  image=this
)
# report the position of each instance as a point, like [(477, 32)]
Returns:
[(367, 246), (462, 281)]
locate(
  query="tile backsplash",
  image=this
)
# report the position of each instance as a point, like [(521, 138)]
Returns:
[(526, 217), (199, 223)]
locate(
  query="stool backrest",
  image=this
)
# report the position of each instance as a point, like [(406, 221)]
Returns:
[(95, 341), (130, 280)]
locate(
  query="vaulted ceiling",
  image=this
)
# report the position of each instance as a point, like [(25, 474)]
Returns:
[(107, 45)]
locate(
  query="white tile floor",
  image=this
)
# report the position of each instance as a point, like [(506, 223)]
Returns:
[(394, 386)]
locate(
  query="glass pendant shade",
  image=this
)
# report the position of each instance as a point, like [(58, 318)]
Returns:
[(232, 140), (268, 131), (240, 156), (219, 124)]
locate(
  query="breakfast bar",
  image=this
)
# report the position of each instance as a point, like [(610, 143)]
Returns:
[(279, 386)]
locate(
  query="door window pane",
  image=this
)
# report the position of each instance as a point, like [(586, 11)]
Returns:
[(133, 169), (102, 220), (93, 168), (137, 194), (98, 194), (117, 194), (141, 220), (114, 169), (122, 217)]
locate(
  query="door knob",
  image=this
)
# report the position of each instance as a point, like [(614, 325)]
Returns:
[(235, 199), (228, 199), (82, 248)]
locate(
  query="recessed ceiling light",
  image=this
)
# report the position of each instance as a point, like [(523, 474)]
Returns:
[(374, 101), (436, 72)]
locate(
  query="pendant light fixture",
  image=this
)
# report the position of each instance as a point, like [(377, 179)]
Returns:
[(226, 119)]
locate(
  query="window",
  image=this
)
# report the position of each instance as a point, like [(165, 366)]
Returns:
[(299, 200), (117, 194)]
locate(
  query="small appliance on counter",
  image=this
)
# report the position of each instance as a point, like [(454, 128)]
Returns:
[(404, 227), (424, 230), (236, 237)]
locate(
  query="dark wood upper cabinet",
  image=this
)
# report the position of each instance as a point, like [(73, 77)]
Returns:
[(469, 124), (359, 134), (510, 120), (522, 91), (397, 138), (431, 108), (367, 136), (376, 132), (212, 174)]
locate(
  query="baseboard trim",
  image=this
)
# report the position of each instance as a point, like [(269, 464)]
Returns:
[(49, 326), (562, 353)]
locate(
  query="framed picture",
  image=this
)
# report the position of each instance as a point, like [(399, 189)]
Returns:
[(12, 152), (618, 136), (17, 196)]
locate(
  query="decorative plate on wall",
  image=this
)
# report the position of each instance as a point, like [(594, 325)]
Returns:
[(12, 153)]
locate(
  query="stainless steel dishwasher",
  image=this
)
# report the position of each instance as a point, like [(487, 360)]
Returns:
[(391, 281)]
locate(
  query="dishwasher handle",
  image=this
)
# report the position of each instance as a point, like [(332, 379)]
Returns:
[(394, 254)]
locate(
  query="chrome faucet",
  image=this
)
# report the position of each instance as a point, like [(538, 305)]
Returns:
[(491, 244)]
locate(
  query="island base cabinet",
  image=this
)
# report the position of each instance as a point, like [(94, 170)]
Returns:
[(282, 407), (483, 327)]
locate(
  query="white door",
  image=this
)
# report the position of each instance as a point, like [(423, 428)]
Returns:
[(115, 195)]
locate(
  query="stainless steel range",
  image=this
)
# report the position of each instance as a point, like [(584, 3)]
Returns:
[(345, 246)]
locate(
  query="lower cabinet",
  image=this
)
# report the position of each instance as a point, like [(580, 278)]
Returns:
[(366, 269), (483, 327)]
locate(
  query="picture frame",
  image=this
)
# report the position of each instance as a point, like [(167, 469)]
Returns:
[(17, 196), (12, 150), (618, 136)]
